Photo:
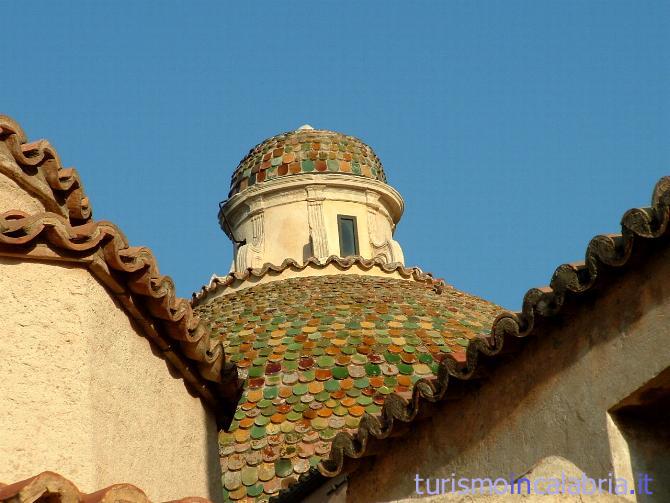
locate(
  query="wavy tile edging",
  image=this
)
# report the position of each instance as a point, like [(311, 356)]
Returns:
[(38, 170), (50, 484), (612, 251), (218, 284), (134, 269), (67, 225)]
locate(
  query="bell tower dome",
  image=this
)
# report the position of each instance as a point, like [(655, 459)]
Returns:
[(310, 193)]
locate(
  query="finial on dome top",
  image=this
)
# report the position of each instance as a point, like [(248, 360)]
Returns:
[(304, 127)]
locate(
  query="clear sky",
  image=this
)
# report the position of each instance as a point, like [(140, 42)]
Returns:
[(515, 130)]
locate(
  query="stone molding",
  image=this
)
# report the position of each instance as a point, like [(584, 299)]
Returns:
[(337, 187)]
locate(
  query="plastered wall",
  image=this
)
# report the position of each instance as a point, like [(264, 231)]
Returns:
[(550, 400), (83, 394)]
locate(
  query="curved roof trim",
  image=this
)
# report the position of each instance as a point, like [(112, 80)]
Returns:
[(218, 284), (38, 170), (66, 231), (573, 279), (49, 484)]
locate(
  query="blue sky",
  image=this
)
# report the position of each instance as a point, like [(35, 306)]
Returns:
[(515, 130)]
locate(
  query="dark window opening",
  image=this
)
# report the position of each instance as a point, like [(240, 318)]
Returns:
[(642, 419), (348, 230)]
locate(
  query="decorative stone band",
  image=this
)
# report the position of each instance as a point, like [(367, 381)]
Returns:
[(49, 486), (576, 279), (132, 275), (38, 170), (220, 285)]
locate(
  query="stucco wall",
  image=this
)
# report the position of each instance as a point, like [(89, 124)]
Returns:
[(83, 394), (552, 399)]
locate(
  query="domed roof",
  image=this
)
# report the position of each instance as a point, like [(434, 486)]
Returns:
[(317, 353), (306, 150)]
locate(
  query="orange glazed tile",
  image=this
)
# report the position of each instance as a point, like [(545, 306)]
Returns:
[(408, 357), (343, 360), (325, 412), (277, 418), (404, 380), (347, 383), (285, 392), (315, 387), (255, 395), (348, 401), (323, 374), (247, 422), (356, 410)]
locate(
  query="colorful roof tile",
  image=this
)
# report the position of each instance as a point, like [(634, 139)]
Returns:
[(318, 354), (306, 150), (643, 230)]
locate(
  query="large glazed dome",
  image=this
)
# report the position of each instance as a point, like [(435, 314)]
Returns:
[(318, 353), (306, 150)]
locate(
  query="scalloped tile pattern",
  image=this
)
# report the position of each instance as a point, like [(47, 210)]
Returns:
[(306, 151), (318, 353)]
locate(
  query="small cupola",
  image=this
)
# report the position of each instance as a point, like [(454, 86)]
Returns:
[(310, 193)]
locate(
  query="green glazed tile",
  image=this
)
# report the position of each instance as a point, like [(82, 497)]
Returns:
[(325, 361), (373, 409), (271, 393), (261, 420), (256, 371), (300, 389), (257, 432), (322, 397), (283, 467), (364, 400), (340, 372), (253, 491), (308, 375), (372, 369), (392, 358), (293, 416), (361, 383), (332, 385)]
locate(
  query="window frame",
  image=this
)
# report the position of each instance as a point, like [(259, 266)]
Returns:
[(353, 219)]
